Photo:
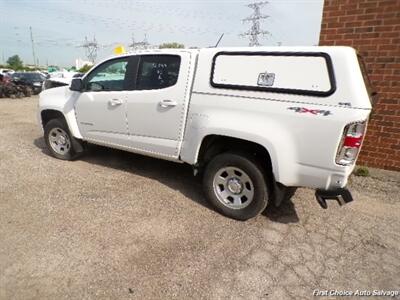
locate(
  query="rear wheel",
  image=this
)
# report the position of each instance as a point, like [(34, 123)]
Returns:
[(58, 139), (235, 185)]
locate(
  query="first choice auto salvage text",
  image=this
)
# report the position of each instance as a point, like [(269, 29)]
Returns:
[(364, 293)]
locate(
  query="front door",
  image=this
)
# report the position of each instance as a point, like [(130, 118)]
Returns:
[(101, 107), (157, 107)]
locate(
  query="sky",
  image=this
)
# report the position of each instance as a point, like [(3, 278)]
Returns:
[(59, 27)]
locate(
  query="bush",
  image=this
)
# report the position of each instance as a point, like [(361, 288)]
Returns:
[(84, 69), (361, 171), (172, 45)]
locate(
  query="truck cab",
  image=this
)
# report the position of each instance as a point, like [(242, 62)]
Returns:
[(255, 122)]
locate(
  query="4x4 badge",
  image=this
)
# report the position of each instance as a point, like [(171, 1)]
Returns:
[(311, 111)]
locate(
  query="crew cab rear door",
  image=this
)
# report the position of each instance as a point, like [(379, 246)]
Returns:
[(157, 107)]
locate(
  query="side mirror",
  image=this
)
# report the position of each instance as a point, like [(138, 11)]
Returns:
[(78, 75), (76, 85)]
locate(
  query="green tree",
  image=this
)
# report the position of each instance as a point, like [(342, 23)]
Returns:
[(15, 62), (85, 68), (171, 45)]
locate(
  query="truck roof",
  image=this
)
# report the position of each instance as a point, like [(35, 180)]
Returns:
[(328, 49)]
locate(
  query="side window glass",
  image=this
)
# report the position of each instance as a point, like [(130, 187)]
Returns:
[(158, 71), (299, 73), (108, 77)]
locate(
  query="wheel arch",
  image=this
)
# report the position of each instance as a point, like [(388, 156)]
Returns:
[(271, 135), (47, 114), (214, 144)]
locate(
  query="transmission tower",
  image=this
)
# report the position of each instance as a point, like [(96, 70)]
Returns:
[(255, 19), (91, 48), (139, 45)]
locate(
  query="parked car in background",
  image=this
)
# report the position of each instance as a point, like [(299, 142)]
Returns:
[(58, 79), (4, 78), (6, 71), (8, 89), (32, 79)]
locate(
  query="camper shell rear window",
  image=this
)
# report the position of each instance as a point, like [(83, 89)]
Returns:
[(300, 73)]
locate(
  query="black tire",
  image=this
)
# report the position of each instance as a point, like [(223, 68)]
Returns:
[(54, 124), (251, 168)]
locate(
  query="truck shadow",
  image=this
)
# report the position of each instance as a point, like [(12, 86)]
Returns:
[(176, 176)]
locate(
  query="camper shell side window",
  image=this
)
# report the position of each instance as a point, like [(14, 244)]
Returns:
[(300, 73)]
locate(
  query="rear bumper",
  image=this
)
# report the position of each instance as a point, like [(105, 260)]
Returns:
[(341, 195), (321, 178)]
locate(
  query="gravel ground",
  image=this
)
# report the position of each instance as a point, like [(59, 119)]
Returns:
[(114, 225)]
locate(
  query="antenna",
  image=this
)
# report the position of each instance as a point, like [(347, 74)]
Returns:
[(255, 30), (33, 47), (220, 38)]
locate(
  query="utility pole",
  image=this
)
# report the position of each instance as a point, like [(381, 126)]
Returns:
[(255, 19), (33, 47)]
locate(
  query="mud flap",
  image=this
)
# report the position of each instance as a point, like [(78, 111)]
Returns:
[(282, 193), (77, 145)]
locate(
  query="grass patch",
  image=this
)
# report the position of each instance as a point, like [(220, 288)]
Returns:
[(361, 171)]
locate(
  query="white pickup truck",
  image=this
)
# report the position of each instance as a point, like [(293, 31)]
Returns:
[(256, 122)]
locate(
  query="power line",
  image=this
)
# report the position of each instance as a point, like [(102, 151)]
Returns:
[(255, 18)]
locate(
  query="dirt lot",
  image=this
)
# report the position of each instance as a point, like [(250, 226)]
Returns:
[(114, 225)]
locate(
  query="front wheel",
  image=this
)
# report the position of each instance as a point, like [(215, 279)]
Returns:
[(58, 139), (235, 185)]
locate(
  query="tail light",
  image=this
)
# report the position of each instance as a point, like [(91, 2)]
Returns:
[(350, 144)]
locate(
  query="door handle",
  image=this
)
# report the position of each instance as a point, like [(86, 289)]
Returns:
[(167, 103), (115, 102)]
